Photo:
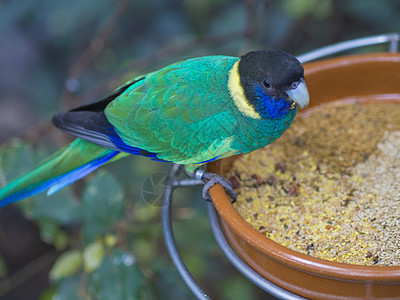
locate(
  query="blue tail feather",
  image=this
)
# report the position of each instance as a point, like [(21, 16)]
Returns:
[(68, 178), (55, 184)]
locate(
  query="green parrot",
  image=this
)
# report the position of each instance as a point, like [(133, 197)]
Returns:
[(191, 112)]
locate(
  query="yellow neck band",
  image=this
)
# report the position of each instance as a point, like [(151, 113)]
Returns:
[(237, 93)]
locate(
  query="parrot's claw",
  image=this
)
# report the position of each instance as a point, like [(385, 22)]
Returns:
[(210, 179)]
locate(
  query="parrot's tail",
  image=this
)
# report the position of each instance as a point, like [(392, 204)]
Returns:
[(59, 170)]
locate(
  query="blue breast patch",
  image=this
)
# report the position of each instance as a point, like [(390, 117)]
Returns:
[(268, 107)]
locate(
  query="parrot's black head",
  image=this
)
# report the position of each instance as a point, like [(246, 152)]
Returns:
[(272, 82)]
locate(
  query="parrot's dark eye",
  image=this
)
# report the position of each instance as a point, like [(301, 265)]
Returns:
[(294, 85), (266, 83)]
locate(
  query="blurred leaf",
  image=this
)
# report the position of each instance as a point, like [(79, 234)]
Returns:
[(48, 294), (168, 284), (66, 265), (61, 207), (15, 158), (69, 289), (198, 264), (195, 234), (93, 256), (51, 233), (110, 240), (145, 212), (104, 203), (118, 278), (144, 249), (237, 288)]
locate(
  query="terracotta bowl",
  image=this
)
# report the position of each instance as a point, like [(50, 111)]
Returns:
[(370, 77)]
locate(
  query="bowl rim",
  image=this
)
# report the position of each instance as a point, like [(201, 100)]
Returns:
[(289, 257)]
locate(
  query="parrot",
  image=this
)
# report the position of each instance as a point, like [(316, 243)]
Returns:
[(191, 112)]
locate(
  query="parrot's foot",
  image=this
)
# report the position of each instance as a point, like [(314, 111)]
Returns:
[(210, 179)]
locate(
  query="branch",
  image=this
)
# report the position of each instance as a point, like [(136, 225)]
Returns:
[(27, 272)]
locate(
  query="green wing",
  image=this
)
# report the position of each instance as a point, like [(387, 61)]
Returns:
[(183, 112)]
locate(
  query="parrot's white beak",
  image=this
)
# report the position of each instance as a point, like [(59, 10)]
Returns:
[(299, 94)]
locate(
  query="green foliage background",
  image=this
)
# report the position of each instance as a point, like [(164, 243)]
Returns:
[(99, 239)]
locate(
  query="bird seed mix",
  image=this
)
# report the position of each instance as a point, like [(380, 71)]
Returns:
[(330, 186)]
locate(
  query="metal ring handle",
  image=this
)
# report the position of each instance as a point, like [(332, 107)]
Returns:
[(391, 38), (170, 240)]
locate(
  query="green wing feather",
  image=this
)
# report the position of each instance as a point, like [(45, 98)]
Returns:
[(183, 112)]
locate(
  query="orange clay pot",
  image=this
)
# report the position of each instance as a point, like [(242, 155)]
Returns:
[(369, 77)]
